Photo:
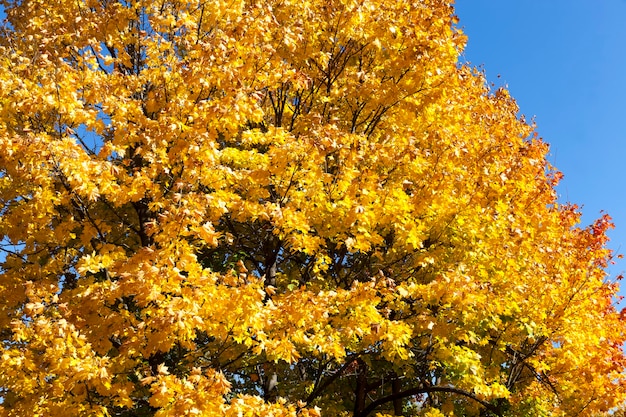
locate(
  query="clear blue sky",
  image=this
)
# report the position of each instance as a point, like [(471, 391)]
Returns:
[(564, 61)]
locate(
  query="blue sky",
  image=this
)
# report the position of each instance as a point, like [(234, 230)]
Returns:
[(565, 64)]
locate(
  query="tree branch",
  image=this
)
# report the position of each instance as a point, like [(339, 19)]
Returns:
[(319, 389), (425, 390)]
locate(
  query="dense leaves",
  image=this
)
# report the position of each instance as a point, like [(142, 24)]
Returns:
[(283, 207)]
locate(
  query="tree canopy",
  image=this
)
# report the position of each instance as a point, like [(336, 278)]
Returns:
[(284, 208)]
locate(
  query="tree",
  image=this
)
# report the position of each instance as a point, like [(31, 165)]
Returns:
[(284, 208)]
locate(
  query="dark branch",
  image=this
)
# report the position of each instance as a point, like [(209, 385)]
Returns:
[(426, 390), (320, 388)]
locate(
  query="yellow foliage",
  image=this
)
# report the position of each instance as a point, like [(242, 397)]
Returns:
[(283, 208)]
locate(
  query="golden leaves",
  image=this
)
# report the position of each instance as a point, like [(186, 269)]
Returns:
[(273, 202)]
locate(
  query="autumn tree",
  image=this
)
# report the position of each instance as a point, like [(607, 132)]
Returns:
[(283, 207)]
